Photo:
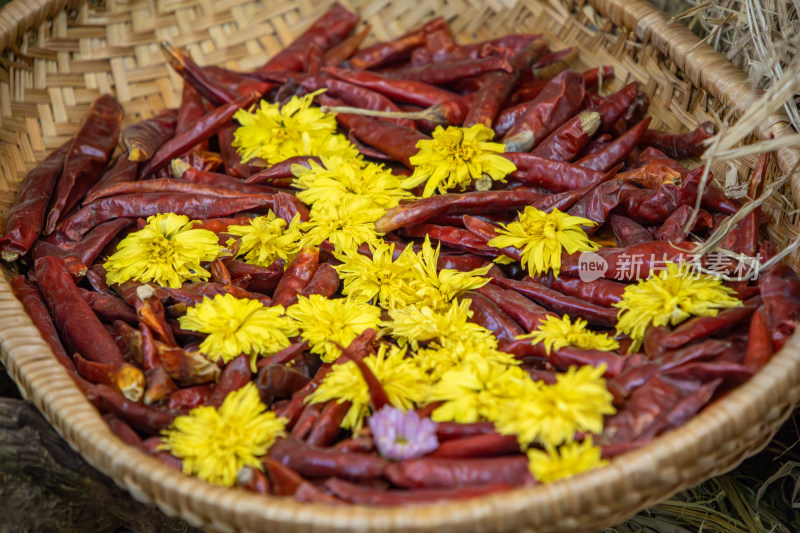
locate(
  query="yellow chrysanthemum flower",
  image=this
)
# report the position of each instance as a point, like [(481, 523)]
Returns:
[(275, 133), (551, 414), (239, 326), (215, 444), (378, 278), (476, 390), (556, 333), (455, 157), (167, 251), (437, 288), (415, 324), (568, 460), (670, 297), (542, 236), (266, 239), (437, 359), (405, 384), (325, 323), (339, 180), (345, 226)]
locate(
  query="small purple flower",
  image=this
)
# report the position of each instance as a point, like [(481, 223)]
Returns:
[(400, 435)]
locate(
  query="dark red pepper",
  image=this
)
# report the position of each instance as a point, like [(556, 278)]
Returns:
[(25, 218), (86, 158)]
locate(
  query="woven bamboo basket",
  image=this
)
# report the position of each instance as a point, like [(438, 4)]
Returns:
[(58, 55)]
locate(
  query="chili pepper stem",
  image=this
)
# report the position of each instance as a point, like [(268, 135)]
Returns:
[(433, 114)]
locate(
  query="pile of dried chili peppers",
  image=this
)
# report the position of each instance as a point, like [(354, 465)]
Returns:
[(467, 271)]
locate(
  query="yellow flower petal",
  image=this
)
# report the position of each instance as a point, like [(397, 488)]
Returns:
[(239, 326), (542, 236), (456, 157), (327, 324), (557, 332), (166, 251), (670, 297), (568, 460), (215, 444), (277, 133)]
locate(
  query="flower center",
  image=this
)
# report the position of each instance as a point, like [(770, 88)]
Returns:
[(162, 250)]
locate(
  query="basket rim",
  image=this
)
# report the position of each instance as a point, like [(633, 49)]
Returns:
[(31, 363)]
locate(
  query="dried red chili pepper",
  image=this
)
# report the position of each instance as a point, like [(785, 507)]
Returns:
[(80, 327), (616, 151), (122, 170), (614, 106), (285, 481), (358, 494), (759, 341), (601, 291), (568, 140), (206, 126), (561, 303), (86, 157), (592, 78), (444, 473), (125, 433), (218, 85), (524, 311), (325, 462), (32, 301), (632, 262), (235, 375), (125, 378), (382, 53), (488, 314), (144, 418), (555, 63), (150, 311), (452, 70), (556, 176), (508, 117), (276, 381), (396, 141), (672, 228), (627, 232), (780, 291), (328, 30), (191, 184), (281, 170), (309, 416), (324, 282), (355, 96), (653, 206), (457, 238), (558, 101), (142, 139), (476, 203), (495, 87), (230, 157), (148, 204), (258, 278), (487, 445), (297, 276), (341, 52), (327, 427), (598, 203), (294, 408), (190, 397), (681, 145), (109, 308), (400, 90)]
